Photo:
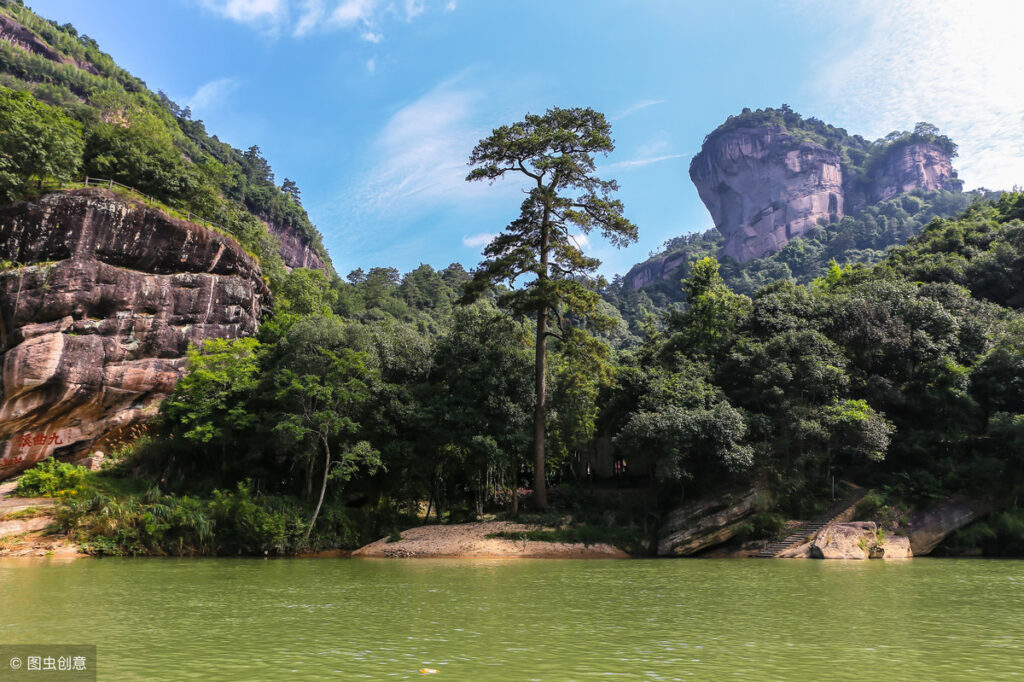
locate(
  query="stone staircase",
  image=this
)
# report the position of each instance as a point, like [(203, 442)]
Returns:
[(810, 529)]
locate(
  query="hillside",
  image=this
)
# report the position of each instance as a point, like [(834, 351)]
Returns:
[(94, 119), (863, 237), (790, 194), (769, 176)]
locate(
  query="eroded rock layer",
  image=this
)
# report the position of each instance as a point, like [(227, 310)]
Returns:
[(95, 317)]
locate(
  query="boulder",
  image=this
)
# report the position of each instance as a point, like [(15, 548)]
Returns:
[(895, 547), (858, 540), (844, 541), (801, 551), (708, 521)]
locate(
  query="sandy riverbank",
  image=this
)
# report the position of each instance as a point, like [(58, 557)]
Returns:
[(26, 534), (469, 540)]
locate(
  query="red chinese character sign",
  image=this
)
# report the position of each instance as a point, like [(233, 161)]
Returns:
[(25, 449)]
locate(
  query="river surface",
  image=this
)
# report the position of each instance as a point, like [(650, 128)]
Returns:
[(299, 619)]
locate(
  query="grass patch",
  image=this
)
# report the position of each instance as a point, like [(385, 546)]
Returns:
[(624, 538), (26, 513), (11, 541)]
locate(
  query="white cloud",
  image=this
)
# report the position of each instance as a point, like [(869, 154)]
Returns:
[(263, 14), (211, 94), (636, 163), (421, 155), (582, 241), (642, 104), (312, 14), (413, 8), (303, 17), (450, 6), (371, 65), (351, 12), (950, 64), (476, 241)]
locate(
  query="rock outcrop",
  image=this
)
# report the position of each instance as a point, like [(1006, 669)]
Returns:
[(707, 522), (858, 540), (763, 187), (910, 166), (930, 527), (14, 33), (652, 270), (97, 313), (296, 248)]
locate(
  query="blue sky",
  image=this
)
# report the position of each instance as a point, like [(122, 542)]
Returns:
[(373, 106)]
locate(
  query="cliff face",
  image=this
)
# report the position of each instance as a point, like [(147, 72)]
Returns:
[(907, 167), (763, 187), (96, 318), (296, 249), (659, 267)]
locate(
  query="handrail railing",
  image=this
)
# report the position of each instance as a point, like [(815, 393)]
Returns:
[(111, 184), (189, 216)]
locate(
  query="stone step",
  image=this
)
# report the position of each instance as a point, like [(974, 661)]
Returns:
[(812, 528)]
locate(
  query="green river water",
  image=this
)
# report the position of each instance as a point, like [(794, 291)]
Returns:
[(242, 619)]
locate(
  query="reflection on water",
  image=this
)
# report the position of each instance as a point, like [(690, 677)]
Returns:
[(244, 619)]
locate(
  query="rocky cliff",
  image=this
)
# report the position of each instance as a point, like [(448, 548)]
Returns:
[(296, 248), (659, 267), (907, 167), (764, 185), (97, 311)]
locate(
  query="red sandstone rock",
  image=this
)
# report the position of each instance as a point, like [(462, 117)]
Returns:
[(95, 322), (763, 187)]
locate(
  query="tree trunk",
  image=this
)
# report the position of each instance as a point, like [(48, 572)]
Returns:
[(323, 488), (540, 493), (309, 479)]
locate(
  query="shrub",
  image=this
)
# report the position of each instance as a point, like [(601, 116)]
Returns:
[(51, 478)]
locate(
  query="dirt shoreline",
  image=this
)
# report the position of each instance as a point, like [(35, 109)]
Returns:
[(470, 541)]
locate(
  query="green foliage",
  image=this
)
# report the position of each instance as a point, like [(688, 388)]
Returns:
[(50, 478), (863, 237), (763, 526), (555, 153), (625, 538), (37, 142)]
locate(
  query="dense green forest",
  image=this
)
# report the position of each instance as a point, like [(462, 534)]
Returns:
[(863, 237), (906, 376), (380, 400)]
